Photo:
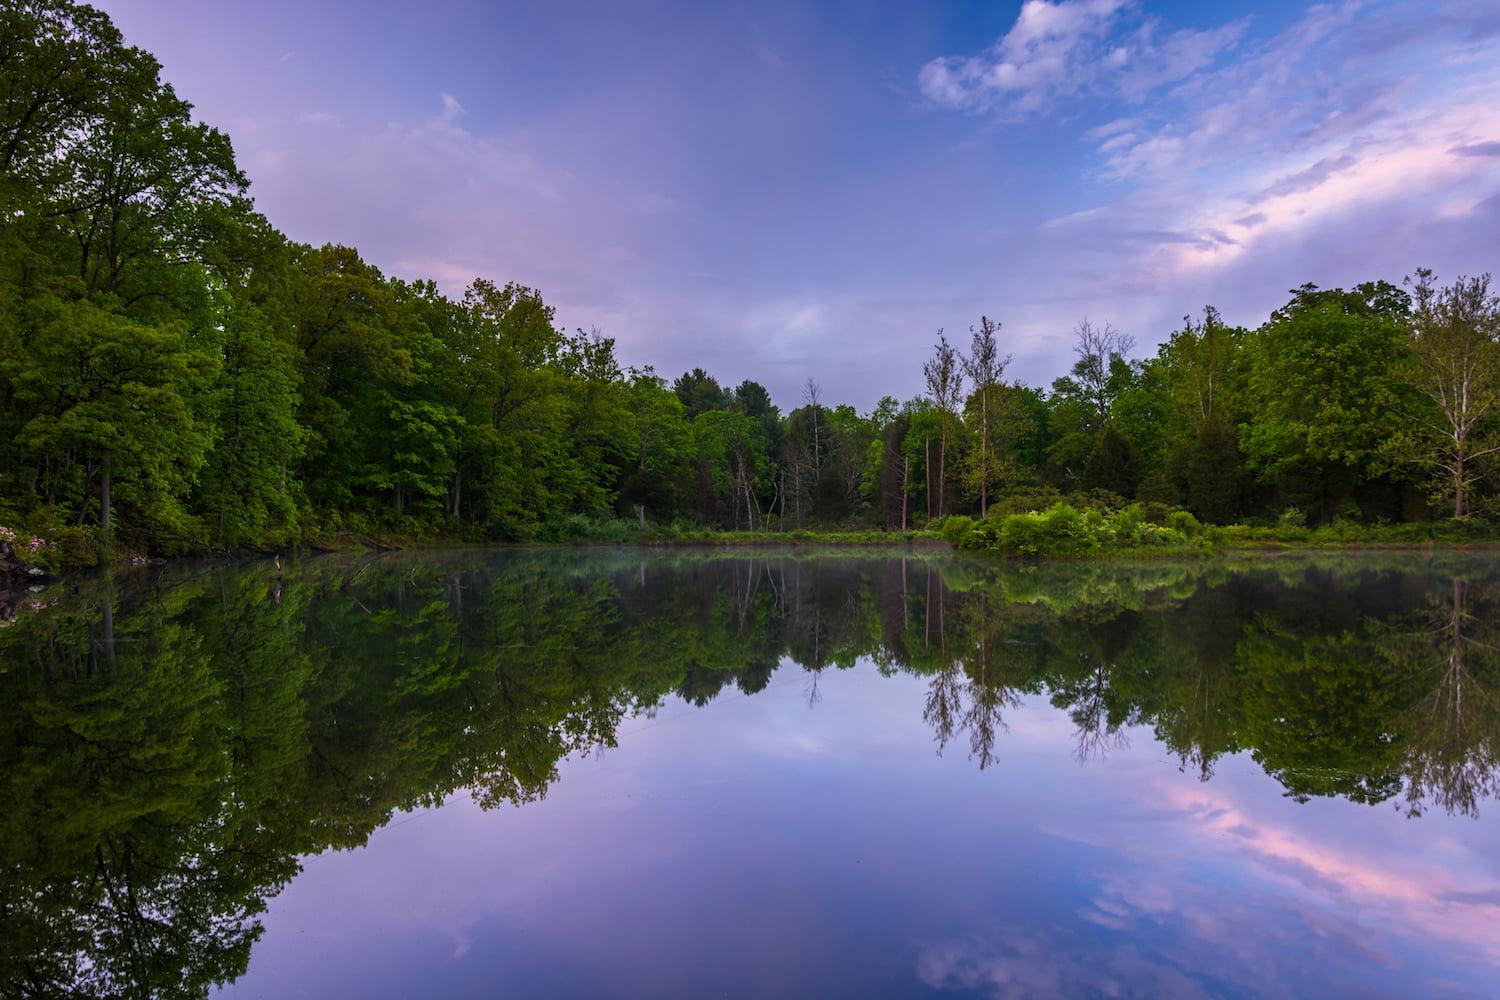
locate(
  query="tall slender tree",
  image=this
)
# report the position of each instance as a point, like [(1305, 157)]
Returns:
[(945, 385), (985, 367), (1455, 336)]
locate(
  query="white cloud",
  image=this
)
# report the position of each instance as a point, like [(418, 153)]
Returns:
[(1060, 48), (1359, 142)]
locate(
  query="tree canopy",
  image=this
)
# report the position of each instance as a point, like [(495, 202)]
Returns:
[(176, 373)]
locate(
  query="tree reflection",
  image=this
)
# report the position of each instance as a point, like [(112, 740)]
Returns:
[(1451, 750), (170, 747)]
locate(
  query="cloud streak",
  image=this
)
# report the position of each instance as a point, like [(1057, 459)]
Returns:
[(1242, 164), (1060, 49), (800, 195)]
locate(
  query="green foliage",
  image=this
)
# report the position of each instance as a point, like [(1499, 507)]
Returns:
[(1058, 531), (957, 530), (1064, 531), (178, 374), (1325, 385), (1113, 465)]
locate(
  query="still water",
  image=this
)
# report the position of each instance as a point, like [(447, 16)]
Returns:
[(589, 773)]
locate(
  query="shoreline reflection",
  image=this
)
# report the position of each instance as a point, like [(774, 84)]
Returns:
[(175, 743)]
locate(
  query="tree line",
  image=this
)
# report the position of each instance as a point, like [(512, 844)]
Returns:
[(176, 372)]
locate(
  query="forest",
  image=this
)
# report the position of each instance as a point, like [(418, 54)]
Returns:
[(177, 375)]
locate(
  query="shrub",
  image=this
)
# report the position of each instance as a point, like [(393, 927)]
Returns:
[(1126, 524), (1184, 522), (1061, 530), (1158, 536), (1156, 512), (1024, 500), (1065, 531), (1097, 499), (1292, 517), (956, 530), (1020, 534), (76, 547)]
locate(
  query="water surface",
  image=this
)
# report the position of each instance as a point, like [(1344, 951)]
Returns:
[(575, 773)]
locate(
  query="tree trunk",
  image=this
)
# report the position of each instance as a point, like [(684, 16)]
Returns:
[(109, 632), (942, 471), (927, 472), (984, 454), (905, 476), (104, 494), (1460, 499)]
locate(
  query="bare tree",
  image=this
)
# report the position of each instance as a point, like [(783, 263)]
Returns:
[(945, 386), (1455, 334), (985, 368), (1098, 348), (811, 393)]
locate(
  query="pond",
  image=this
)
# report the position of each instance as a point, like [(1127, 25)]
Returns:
[(782, 773)]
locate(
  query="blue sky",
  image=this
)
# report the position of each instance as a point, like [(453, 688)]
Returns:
[(785, 191)]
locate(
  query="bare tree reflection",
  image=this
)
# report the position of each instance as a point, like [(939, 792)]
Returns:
[(1096, 736), (970, 692), (1452, 751)]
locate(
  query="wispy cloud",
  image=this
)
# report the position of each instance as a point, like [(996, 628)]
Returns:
[(1060, 49), (1242, 164)]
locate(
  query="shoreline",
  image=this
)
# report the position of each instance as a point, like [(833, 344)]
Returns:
[(921, 540)]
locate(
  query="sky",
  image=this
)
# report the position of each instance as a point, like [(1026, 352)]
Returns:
[(785, 191), (887, 869)]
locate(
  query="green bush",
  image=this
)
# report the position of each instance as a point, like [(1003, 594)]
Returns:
[(1160, 536), (1024, 500), (956, 530), (1060, 530), (1097, 499), (1127, 523), (1184, 523), (76, 546), (1064, 530)]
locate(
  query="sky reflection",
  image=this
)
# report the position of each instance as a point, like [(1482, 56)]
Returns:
[(785, 844)]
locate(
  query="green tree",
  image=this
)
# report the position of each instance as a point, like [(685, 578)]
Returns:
[(1113, 464), (118, 395), (1323, 383), (248, 485), (1455, 346), (700, 392)]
